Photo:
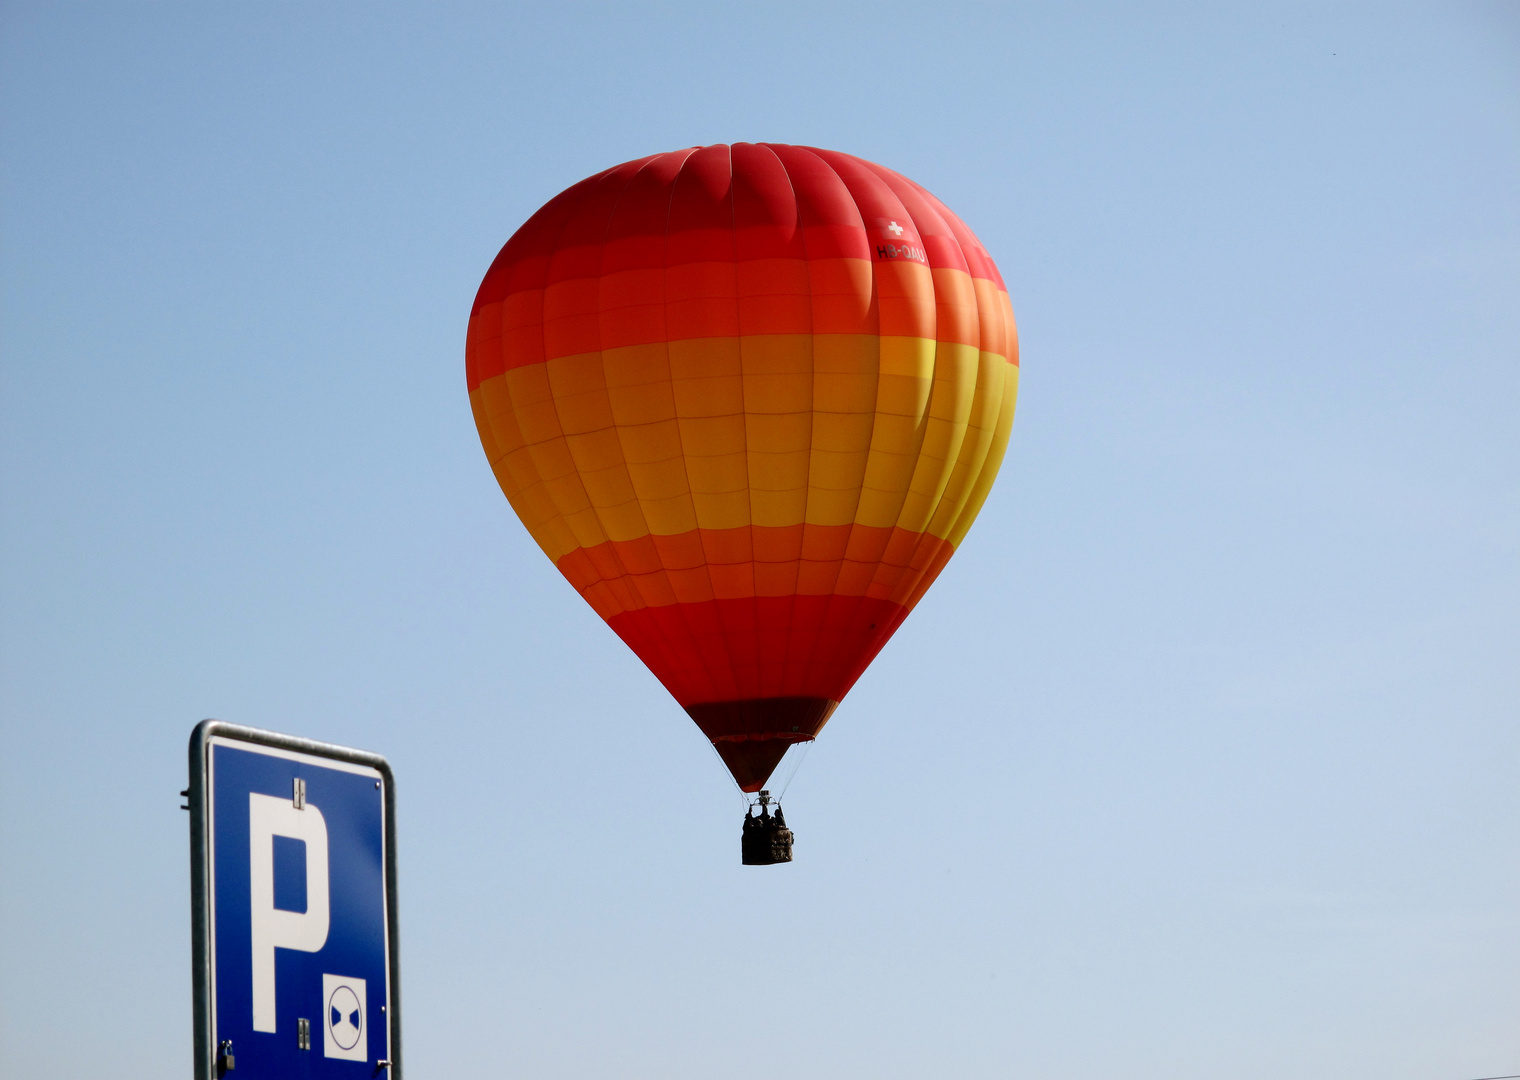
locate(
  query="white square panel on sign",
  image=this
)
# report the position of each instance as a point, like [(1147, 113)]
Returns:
[(345, 1025)]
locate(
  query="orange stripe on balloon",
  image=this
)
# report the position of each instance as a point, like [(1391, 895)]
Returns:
[(732, 564), (911, 304)]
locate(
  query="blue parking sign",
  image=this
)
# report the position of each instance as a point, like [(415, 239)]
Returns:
[(294, 908)]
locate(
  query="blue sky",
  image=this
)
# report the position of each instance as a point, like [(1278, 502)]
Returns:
[(1199, 759)]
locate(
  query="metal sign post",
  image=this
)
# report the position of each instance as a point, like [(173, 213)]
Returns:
[(293, 908)]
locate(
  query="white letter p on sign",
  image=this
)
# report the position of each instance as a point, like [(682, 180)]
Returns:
[(274, 928)]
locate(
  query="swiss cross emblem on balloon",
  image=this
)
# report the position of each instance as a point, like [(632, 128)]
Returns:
[(896, 239)]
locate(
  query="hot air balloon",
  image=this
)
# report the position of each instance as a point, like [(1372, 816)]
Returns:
[(748, 399)]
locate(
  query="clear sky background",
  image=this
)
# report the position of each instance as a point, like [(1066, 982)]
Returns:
[(1200, 760)]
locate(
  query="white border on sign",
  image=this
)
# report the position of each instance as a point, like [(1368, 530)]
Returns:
[(294, 755)]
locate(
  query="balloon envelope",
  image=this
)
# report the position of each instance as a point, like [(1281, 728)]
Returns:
[(748, 399)]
